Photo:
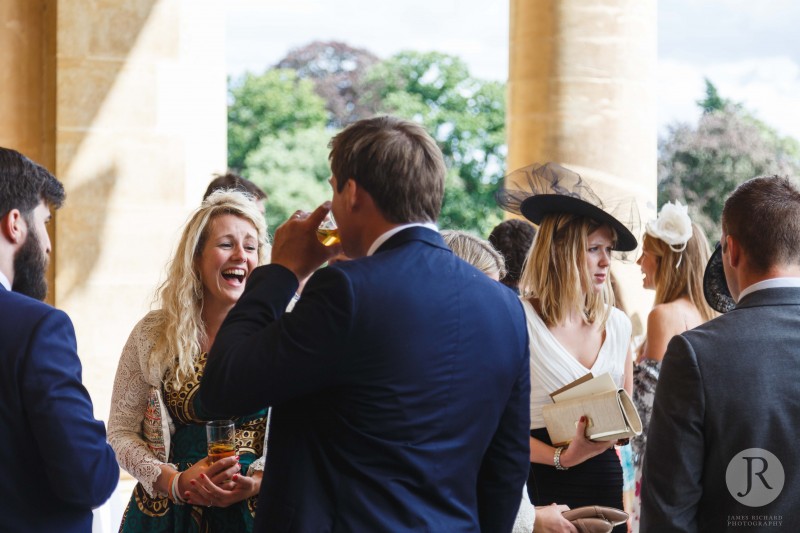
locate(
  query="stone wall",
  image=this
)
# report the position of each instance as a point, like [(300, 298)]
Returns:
[(126, 103)]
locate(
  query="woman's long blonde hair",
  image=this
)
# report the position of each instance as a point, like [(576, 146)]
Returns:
[(680, 274), (182, 331), (555, 272)]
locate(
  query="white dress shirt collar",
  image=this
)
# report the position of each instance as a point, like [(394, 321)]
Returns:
[(4, 281), (770, 284), (386, 236)]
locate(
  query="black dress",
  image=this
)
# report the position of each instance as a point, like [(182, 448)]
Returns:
[(597, 481)]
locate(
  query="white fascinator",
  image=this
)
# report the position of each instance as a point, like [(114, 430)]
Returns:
[(673, 226)]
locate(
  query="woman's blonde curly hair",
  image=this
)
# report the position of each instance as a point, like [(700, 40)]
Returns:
[(182, 332)]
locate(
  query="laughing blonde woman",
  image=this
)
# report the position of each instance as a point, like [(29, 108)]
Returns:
[(156, 428)]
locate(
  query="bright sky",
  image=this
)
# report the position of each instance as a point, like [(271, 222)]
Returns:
[(749, 49)]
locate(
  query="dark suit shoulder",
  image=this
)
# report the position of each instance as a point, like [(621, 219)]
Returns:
[(22, 314), (17, 304), (739, 324)]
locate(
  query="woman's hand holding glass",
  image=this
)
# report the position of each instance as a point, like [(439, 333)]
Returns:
[(220, 484)]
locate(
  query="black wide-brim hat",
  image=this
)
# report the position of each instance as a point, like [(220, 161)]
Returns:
[(536, 207), (553, 189), (715, 285)]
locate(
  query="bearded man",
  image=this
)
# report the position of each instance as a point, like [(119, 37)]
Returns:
[(55, 458)]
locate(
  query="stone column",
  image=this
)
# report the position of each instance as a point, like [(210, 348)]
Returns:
[(125, 102), (27, 85), (140, 129), (581, 91)]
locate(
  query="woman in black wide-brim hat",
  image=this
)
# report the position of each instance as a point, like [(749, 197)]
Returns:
[(573, 325)]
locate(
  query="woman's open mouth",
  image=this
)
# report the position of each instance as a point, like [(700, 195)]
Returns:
[(237, 274)]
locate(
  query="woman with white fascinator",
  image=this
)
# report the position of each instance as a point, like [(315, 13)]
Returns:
[(674, 256)]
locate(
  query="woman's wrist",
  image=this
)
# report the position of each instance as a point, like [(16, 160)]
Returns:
[(170, 496), (256, 477), (163, 484), (175, 490), (558, 458)]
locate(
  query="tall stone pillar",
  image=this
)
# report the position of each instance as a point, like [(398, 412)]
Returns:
[(140, 129), (581, 91), (126, 103), (27, 85)]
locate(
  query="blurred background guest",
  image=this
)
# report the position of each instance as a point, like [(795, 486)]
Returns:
[(231, 181), (513, 238), (475, 251), (155, 427)]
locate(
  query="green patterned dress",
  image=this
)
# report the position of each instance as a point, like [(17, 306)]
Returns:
[(159, 515)]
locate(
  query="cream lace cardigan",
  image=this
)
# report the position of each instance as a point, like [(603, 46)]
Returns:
[(132, 388)]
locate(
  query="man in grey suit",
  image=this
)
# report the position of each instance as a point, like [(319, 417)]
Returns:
[(722, 451)]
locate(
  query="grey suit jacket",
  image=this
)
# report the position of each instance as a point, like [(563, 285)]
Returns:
[(727, 386)]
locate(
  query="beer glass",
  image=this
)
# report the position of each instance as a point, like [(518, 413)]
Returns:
[(328, 232), (221, 439)]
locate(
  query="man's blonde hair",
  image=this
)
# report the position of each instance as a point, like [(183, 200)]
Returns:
[(555, 271)]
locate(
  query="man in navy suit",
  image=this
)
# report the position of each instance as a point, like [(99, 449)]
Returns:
[(400, 381), (55, 460)]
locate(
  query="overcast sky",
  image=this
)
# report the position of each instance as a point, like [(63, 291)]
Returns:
[(749, 48)]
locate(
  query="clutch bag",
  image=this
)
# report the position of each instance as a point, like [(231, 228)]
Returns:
[(611, 416), (595, 518)]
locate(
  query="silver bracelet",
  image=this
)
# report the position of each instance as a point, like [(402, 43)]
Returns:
[(557, 459), (174, 490)]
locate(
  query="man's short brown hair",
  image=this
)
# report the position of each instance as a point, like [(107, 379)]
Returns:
[(763, 215), (396, 162)]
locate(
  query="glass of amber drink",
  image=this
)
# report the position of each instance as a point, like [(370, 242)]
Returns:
[(328, 232), (221, 439)]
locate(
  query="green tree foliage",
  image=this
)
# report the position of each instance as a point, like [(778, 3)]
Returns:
[(713, 101), (262, 106), (337, 70), (277, 135), (701, 165), (465, 115), (292, 168)]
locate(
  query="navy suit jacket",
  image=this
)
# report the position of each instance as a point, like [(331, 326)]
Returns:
[(725, 387), (56, 464), (401, 390)]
